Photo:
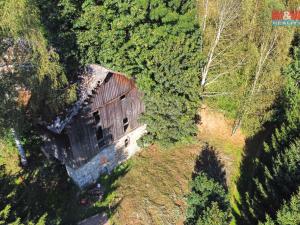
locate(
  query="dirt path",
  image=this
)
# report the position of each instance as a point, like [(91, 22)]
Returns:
[(216, 130), (215, 125)]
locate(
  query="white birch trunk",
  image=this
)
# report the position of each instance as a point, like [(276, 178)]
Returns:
[(20, 149), (228, 12), (265, 51)]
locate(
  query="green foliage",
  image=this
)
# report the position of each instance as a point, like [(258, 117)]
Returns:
[(121, 35), (289, 101), (171, 91), (289, 214), (30, 64), (58, 17), (213, 216), (21, 20), (9, 154), (249, 90), (279, 179), (8, 192), (276, 175), (39, 194), (207, 197), (156, 42), (5, 214)]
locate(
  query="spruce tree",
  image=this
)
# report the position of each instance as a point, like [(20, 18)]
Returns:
[(208, 202), (156, 42), (289, 213), (276, 175)]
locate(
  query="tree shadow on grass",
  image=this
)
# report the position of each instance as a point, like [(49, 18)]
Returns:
[(41, 188), (45, 187), (209, 162), (245, 183), (208, 188)]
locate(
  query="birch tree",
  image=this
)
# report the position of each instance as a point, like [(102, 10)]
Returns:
[(218, 19), (263, 81), (244, 56), (267, 47)]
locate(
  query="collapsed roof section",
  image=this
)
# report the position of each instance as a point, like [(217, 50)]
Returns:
[(93, 76)]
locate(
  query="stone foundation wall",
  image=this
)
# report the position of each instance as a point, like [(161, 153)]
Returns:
[(107, 159)]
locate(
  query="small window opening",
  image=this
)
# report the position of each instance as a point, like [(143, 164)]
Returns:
[(99, 133), (125, 124), (122, 97), (96, 116), (108, 76), (126, 142)]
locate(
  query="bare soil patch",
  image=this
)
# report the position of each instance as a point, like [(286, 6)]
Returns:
[(216, 130), (214, 125)]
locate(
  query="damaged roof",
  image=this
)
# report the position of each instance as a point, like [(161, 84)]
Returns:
[(93, 76)]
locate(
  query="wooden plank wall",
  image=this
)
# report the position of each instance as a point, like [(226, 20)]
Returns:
[(83, 141), (112, 111)]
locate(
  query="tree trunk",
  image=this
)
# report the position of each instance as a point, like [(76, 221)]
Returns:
[(20, 149)]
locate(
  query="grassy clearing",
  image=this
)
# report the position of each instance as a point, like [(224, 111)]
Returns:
[(216, 130), (153, 191)]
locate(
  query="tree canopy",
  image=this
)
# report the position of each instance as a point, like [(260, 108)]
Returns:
[(276, 168), (156, 42), (180, 53), (28, 65), (288, 214)]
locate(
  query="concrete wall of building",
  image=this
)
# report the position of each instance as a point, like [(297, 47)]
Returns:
[(107, 158)]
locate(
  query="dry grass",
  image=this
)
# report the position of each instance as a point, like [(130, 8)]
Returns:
[(216, 130), (154, 189)]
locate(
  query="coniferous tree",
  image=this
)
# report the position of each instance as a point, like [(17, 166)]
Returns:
[(276, 174), (158, 43), (289, 213), (171, 91), (208, 202), (8, 196), (58, 18), (28, 65), (214, 216), (6, 214)]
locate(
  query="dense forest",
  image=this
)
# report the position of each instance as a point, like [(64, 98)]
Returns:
[(182, 54)]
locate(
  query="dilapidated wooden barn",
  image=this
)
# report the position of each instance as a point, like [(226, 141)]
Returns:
[(102, 127)]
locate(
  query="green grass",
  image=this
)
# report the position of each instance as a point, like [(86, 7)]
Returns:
[(234, 154), (9, 154), (154, 189)]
